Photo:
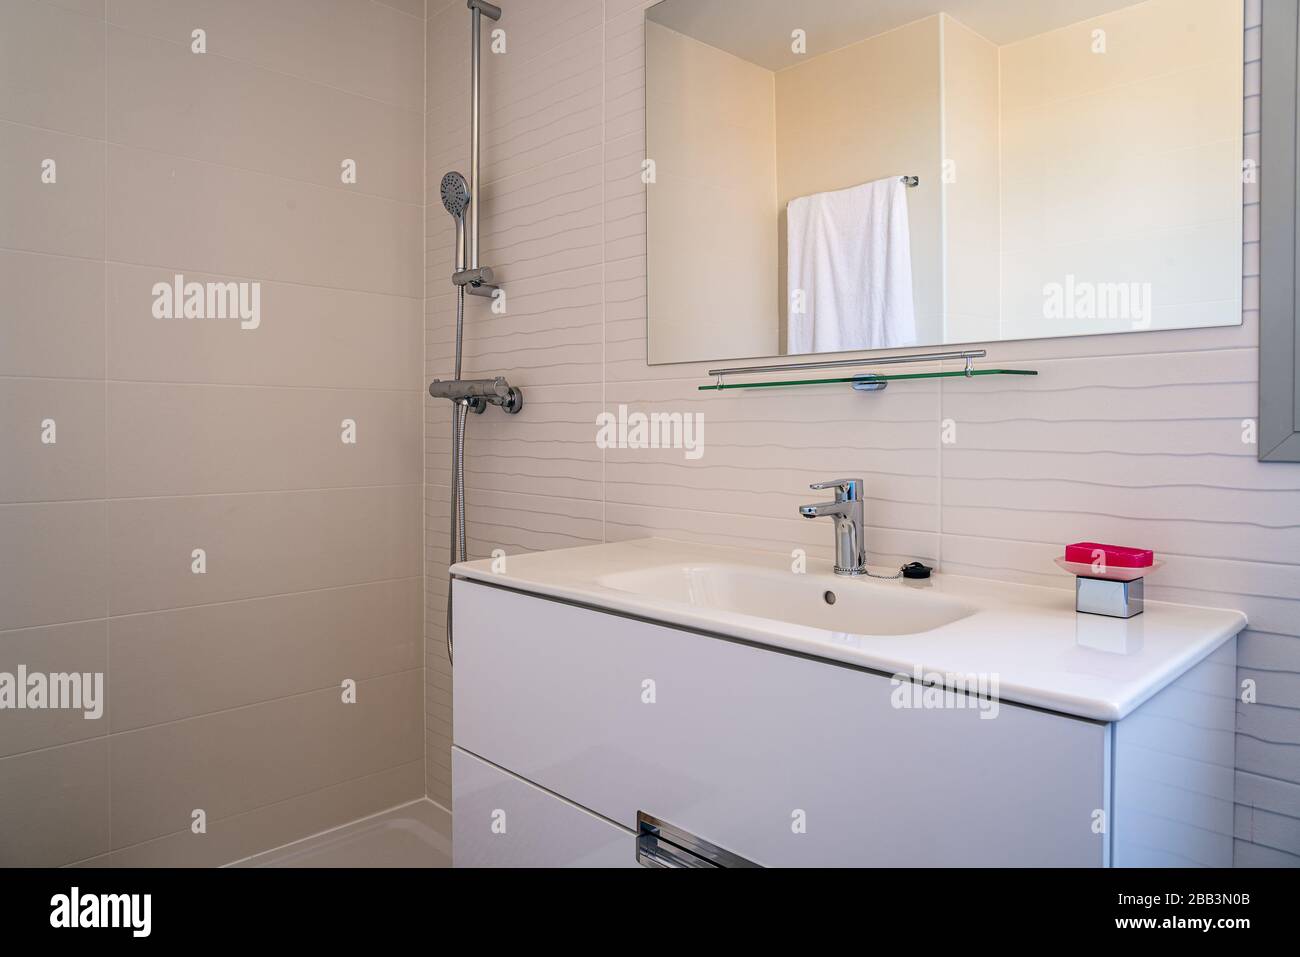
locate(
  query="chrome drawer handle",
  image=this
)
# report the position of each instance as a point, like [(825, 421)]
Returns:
[(659, 844)]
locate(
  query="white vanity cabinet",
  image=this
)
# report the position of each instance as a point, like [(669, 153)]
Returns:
[(508, 822), (569, 721)]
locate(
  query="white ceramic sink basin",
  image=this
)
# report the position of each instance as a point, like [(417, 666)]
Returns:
[(1029, 638), (848, 606)]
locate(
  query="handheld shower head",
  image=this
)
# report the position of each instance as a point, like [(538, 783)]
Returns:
[(455, 194), (456, 198)]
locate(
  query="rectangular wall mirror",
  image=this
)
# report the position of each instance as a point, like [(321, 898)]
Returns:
[(844, 175)]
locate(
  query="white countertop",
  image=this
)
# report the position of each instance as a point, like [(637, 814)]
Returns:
[(1041, 650)]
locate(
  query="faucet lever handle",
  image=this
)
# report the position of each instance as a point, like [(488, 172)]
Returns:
[(846, 490)]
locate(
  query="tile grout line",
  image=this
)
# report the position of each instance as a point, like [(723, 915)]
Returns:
[(354, 290), (207, 162), (424, 405), (108, 642), (170, 609), (109, 733), (252, 810), (252, 64), (201, 715), (191, 384), (414, 16), (110, 499)]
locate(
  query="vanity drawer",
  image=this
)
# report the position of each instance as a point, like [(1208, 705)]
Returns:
[(781, 759), (499, 820)]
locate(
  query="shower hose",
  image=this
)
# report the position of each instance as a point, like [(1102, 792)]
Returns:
[(459, 411)]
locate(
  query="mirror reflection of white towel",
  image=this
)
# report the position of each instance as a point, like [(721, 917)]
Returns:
[(850, 270)]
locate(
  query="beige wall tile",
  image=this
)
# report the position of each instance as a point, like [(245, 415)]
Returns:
[(438, 778), (162, 97), (52, 316), (51, 68), (72, 466), (414, 7), (190, 215), (307, 336), (259, 126), (560, 458), (546, 103), (516, 523), (66, 216), (88, 8), (235, 761), (59, 799), (54, 566), (446, 73), (1136, 487), (548, 226), (177, 664), (259, 544), (366, 48), (190, 439), (80, 647), (231, 838), (527, 340)]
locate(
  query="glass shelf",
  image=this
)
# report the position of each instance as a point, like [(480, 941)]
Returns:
[(864, 378)]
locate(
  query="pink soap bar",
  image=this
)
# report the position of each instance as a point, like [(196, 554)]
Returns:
[(1116, 556)]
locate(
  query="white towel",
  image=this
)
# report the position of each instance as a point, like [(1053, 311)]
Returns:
[(850, 270)]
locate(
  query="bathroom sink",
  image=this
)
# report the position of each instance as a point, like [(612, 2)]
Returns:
[(857, 606), (1028, 638)]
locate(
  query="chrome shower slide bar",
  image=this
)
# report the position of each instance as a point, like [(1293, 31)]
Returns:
[(478, 9)]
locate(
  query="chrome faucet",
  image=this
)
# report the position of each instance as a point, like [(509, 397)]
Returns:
[(850, 549)]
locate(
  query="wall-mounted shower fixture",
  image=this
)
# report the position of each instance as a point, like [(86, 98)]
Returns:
[(470, 275), (461, 199), (455, 199), (478, 394)]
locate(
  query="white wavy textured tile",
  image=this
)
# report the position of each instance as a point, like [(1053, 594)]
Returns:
[(1135, 438)]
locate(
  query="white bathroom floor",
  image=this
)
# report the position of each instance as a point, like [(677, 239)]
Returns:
[(413, 835)]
